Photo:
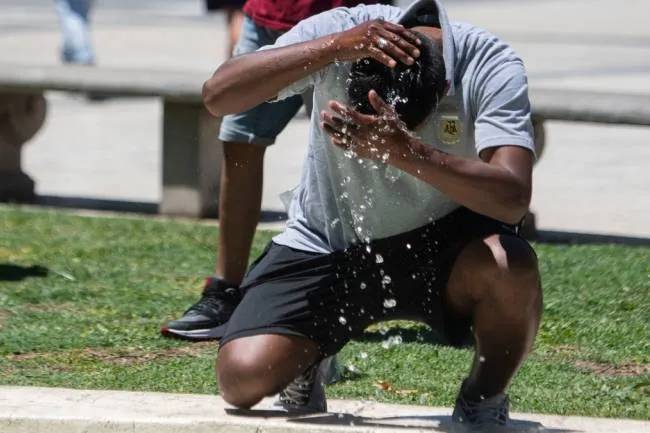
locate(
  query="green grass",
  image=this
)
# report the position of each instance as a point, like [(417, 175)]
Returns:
[(92, 321)]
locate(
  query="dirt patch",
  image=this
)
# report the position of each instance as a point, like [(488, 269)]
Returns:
[(563, 349), (629, 369), (140, 356), (50, 307), (129, 356), (24, 356)]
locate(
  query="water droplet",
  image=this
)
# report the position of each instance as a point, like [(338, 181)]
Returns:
[(391, 341), (379, 258), (386, 280), (342, 320), (390, 303), (481, 358), (362, 286), (334, 222), (363, 355), (368, 249), (408, 246)]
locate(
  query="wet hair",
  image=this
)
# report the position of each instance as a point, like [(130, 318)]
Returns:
[(413, 90)]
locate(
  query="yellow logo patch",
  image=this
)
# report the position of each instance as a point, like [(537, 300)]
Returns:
[(449, 129)]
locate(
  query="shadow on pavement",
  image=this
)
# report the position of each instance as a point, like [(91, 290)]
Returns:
[(557, 237), (96, 204), (147, 208), (439, 423), (544, 236), (11, 272)]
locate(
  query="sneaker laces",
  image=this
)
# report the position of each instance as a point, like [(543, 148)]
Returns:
[(213, 296), (486, 412), (298, 391)]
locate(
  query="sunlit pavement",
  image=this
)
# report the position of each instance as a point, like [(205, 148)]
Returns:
[(592, 178), (26, 410)]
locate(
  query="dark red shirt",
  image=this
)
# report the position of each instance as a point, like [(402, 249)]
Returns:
[(284, 14)]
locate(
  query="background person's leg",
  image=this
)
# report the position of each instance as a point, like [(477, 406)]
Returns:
[(235, 17), (75, 26), (496, 282), (245, 136), (251, 368), (240, 200)]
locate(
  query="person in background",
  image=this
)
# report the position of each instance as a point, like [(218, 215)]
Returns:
[(245, 138), (234, 16), (77, 45)]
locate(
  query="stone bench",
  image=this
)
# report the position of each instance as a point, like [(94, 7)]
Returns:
[(191, 157)]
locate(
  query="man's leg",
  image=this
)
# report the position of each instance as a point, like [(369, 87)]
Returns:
[(496, 282), (240, 201), (235, 18), (251, 368)]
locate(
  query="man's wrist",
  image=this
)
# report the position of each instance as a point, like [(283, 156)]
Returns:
[(413, 150), (333, 48)]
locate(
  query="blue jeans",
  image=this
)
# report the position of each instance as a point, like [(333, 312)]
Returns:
[(261, 124), (77, 46)]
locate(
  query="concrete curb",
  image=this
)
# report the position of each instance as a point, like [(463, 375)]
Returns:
[(57, 410)]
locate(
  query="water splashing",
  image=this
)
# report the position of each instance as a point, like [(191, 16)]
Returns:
[(390, 303)]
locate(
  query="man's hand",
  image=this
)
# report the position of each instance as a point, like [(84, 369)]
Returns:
[(380, 137), (383, 41)]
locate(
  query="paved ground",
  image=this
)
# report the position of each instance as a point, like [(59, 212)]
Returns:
[(591, 179), (55, 410)]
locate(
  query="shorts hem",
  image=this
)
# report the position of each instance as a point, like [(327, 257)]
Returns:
[(272, 330), (241, 137)]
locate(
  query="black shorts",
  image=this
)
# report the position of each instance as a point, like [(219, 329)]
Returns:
[(332, 298)]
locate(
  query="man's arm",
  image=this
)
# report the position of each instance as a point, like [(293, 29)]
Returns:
[(498, 185), (248, 80)]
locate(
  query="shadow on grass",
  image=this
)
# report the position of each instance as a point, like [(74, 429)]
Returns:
[(438, 423), (11, 272), (409, 335)]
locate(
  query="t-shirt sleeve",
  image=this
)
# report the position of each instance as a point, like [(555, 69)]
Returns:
[(503, 108), (306, 30)]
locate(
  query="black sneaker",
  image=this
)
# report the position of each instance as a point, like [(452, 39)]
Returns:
[(488, 413), (206, 320), (306, 394)]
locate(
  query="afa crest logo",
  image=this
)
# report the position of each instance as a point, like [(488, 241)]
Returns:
[(449, 129)]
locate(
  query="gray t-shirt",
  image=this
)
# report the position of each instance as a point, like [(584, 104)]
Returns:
[(341, 199)]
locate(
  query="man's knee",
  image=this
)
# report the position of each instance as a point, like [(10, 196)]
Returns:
[(242, 379), (511, 266)]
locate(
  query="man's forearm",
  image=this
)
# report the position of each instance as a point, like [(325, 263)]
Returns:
[(487, 188), (248, 80)]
